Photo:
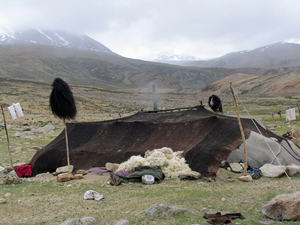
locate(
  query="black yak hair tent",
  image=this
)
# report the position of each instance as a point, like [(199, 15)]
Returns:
[(206, 139)]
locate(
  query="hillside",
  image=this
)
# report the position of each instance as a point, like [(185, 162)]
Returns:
[(278, 84), (42, 62)]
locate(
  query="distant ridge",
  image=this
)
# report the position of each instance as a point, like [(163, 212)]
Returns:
[(78, 59), (276, 55), (52, 38)]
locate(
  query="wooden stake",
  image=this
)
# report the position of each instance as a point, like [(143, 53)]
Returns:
[(67, 146), (241, 128), (11, 163)]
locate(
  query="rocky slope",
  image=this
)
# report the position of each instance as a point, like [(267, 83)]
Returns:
[(287, 83)]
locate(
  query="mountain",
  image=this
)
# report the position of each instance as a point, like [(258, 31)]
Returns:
[(172, 58), (78, 59), (276, 55), (41, 62), (52, 38)]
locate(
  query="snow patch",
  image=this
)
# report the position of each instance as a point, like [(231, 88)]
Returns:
[(62, 39), (45, 34)]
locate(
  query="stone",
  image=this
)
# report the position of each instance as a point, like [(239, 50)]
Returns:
[(17, 149), (7, 195), (112, 166), (283, 207), (26, 128), (82, 221), (266, 221), (269, 170), (189, 174), (12, 178), (83, 172), (122, 222), (2, 201), (64, 177), (163, 210), (64, 169), (245, 178), (293, 170), (48, 127), (236, 167), (78, 176), (256, 176), (34, 148), (26, 134)]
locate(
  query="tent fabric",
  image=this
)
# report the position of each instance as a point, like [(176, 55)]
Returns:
[(262, 150), (206, 139)]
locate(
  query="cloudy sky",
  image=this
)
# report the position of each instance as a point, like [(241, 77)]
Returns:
[(145, 28)]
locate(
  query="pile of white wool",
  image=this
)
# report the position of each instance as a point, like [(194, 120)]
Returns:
[(170, 162)]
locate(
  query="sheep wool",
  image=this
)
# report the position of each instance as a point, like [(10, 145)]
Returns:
[(170, 162), (132, 163)]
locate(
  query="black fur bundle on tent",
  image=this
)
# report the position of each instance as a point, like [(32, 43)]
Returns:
[(62, 102), (215, 103)]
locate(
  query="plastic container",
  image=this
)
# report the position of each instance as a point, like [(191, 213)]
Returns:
[(148, 179)]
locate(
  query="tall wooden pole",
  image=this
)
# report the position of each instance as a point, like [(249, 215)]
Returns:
[(11, 163), (67, 146), (241, 128)]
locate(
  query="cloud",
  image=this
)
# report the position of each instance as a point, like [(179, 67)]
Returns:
[(136, 28)]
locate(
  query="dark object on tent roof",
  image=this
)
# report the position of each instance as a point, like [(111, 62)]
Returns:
[(215, 103), (61, 101), (206, 139)]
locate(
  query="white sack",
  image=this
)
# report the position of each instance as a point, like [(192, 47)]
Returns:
[(12, 112), (18, 110), (290, 114)]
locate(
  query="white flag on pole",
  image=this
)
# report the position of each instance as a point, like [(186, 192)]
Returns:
[(15, 111)]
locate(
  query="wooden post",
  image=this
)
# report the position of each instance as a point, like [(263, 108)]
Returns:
[(241, 128), (11, 163), (154, 97), (67, 146)]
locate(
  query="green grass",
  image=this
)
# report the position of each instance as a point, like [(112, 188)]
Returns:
[(53, 203)]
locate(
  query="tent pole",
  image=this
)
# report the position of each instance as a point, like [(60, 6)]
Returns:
[(67, 146), (11, 163), (241, 128)]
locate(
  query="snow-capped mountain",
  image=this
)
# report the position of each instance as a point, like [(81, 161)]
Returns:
[(172, 57), (53, 38), (281, 54)]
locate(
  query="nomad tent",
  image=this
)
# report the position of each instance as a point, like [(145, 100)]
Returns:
[(206, 139)]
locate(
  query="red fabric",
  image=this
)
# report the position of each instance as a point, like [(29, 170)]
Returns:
[(24, 169)]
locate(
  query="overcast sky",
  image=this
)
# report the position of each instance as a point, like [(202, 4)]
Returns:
[(144, 28)]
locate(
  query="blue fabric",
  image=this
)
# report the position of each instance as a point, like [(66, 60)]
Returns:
[(253, 171)]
